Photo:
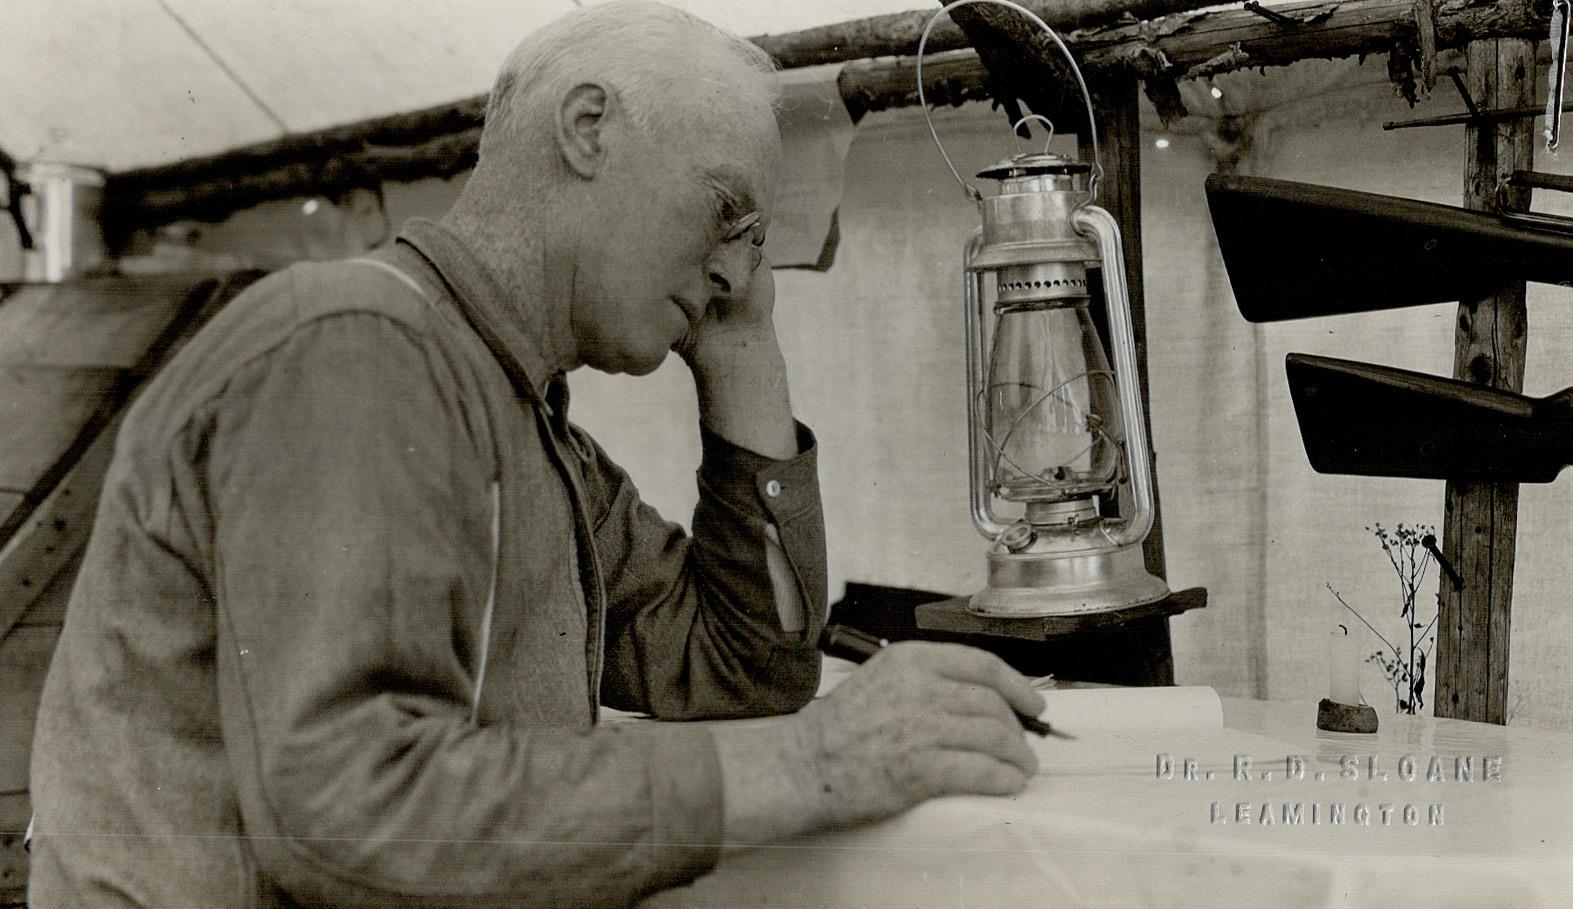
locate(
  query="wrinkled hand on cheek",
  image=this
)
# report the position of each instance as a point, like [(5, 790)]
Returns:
[(733, 318)]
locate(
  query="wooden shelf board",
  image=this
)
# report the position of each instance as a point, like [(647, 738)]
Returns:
[(951, 615)]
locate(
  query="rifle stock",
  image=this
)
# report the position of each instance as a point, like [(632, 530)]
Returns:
[(1296, 250), (1369, 420)]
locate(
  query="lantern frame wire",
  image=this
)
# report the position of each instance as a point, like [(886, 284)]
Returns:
[(1097, 432)]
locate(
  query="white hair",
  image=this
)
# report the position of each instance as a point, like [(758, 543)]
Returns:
[(611, 42)]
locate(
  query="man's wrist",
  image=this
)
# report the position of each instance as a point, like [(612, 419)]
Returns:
[(742, 389), (771, 785), (737, 356)]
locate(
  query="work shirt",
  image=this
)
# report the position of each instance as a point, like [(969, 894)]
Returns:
[(354, 591)]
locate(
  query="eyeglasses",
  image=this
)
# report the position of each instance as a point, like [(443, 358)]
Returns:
[(748, 227)]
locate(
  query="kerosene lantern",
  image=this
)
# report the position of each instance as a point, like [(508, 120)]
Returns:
[(1060, 482)]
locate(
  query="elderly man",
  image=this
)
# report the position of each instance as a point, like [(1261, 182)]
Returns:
[(357, 587)]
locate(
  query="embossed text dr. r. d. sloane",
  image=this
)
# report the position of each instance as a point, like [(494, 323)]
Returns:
[(1422, 769)]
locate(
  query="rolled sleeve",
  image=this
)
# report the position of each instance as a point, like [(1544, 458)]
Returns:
[(694, 627), (770, 489), (785, 494)]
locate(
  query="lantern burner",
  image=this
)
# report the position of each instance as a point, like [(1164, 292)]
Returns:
[(1046, 283)]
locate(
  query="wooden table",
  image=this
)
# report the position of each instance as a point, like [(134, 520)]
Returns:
[(1101, 827)]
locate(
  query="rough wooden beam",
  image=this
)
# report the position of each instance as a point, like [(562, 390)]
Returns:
[(215, 190), (1198, 45), (948, 79), (892, 35), (878, 36), (1331, 30), (395, 131), (437, 141), (213, 187), (1024, 64), (1481, 519), (897, 34)]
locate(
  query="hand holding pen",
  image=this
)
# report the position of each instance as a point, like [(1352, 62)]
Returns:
[(857, 647), (918, 721)]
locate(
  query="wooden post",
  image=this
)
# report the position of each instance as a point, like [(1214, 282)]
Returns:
[(1119, 140), (1118, 112), (1481, 520)]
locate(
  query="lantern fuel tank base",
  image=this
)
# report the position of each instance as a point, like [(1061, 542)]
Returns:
[(1034, 585)]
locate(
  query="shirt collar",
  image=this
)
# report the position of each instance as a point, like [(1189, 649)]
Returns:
[(514, 329)]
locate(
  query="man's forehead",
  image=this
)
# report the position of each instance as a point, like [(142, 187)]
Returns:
[(737, 152), (734, 186)]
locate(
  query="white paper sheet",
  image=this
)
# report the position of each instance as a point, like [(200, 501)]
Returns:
[(1088, 711)]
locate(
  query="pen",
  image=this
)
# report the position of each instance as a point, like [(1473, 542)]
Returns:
[(857, 647)]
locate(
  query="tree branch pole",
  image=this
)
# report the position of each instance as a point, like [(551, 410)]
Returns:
[(896, 35), (440, 141)]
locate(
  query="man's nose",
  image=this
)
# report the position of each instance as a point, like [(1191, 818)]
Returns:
[(730, 269)]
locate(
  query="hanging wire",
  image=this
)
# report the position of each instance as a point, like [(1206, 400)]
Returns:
[(972, 191)]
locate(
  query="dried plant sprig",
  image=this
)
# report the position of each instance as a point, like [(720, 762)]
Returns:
[(1405, 668), (1356, 613)]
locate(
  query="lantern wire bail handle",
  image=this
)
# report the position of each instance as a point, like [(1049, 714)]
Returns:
[(972, 191)]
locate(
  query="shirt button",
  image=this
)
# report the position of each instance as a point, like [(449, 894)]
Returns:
[(772, 489)]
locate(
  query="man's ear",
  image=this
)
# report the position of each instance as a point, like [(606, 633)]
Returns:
[(581, 125)]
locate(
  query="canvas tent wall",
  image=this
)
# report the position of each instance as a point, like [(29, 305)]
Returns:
[(876, 340)]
